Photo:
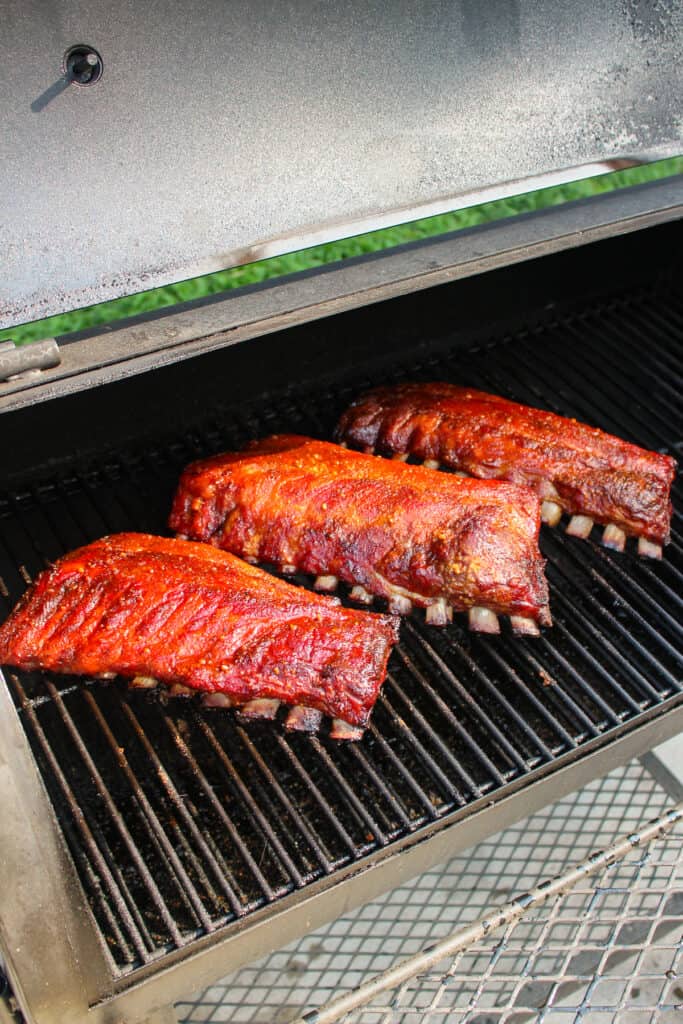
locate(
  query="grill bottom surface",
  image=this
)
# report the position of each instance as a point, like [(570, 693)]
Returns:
[(182, 822)]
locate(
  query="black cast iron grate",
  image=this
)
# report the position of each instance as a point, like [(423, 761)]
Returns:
[(182, 820)]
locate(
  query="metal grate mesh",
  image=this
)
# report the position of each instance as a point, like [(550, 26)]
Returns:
[(181, 821), (563, 963)]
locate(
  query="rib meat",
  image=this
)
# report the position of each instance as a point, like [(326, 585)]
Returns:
[(573, 467), (397, 531), (184, 613)]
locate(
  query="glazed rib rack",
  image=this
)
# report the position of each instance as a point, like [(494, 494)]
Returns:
[(183, 821)]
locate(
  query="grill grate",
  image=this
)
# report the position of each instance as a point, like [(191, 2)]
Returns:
[(182, 820)]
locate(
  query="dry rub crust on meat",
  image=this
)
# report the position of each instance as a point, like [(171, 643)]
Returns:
[(189, 615), (574, 468), (390, 530)]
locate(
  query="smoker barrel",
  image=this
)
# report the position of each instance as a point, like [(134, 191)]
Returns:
[(185, 824)]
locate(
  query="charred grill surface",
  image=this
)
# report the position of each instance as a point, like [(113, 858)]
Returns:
[(398, 531), (142, 606), (184, 821), (573, 467)]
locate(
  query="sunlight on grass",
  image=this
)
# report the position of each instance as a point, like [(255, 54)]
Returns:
[(319, 255)]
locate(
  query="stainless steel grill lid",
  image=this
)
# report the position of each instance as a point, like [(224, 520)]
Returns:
[(198, 137)]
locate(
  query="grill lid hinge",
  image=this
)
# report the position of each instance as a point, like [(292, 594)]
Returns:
[(18, 362)]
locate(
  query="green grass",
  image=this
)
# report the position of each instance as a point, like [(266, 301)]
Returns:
[(319, 255)]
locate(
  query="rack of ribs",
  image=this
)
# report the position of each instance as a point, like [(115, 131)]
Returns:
[(161, 610), (575, 469), (400, 532)]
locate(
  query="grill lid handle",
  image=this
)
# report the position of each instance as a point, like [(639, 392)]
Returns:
[(18, 361)]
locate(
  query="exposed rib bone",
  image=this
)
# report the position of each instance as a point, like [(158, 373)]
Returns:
[(326, 583), (400, 605), (178, 690), (302, 719), (460, 472), (399, 457), (483, 620), (614, 537), (344, 731), (524, 626), (551, 512), (143, 683), (288, 570), (368, 449), (106, 675), (431, 464), (440, 613), (649, 550), (360, 594), (260, 707), (217, 700), (580, 526)]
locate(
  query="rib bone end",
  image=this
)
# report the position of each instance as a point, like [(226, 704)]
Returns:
[(326, 584), (178, 690), (483, 620), (301, 719), (143, 683), (261, 707), (342, 730), (361, 595), (431, 463), (399, 457), (439, 614), (523, 626), (551, 512), (649, 550), (580, 526), (217, 700), (614, 537), (400, 605)]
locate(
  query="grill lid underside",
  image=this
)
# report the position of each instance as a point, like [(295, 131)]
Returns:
[(245, 130)]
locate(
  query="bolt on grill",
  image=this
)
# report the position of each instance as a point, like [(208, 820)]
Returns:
[(182, 821)]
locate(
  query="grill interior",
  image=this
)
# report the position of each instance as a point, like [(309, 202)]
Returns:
[(182, 821)]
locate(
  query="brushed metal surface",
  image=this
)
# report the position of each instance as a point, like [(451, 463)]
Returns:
[(222, 133), (115, 352)]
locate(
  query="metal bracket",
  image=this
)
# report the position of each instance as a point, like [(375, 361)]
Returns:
[(18, 362)]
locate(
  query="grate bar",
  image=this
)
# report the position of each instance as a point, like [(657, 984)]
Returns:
[(515, 677), (638, 395), (100, 867), (531, 656), (411, 737), (289, 806), (351, 797), (262, 822), (450, 718), (218, 870), (131, 846), (408, 779), (618, 628), (332, 819), (233, 832), (357, 753), (476, 710), (185, 888)]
